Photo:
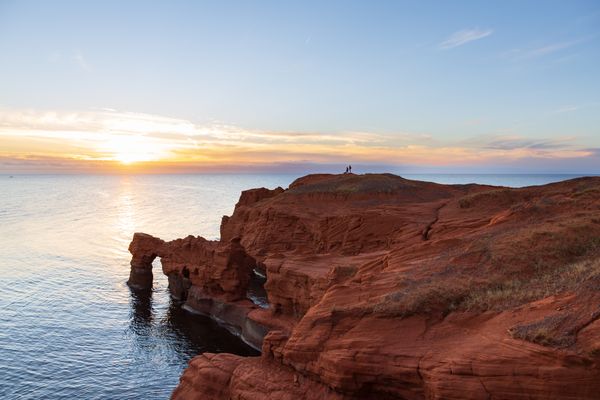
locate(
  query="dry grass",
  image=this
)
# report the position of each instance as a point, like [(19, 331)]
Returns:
[(514, 292), (351, 184), (540, 335), (425, 297), (538, 251), (587, 189), (594, 191), (543, 336), (544, 332), (465, 293), (496, 196), (522, 265)]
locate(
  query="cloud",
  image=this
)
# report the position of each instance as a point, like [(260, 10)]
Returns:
[(464, 36), (81, 61), (511, 143), (565, 109), (542, 51), (518, 147), (575, 107), (110, 139), (104, 122), (552, 48)]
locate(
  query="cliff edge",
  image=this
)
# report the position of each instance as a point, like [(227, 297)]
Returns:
[(379, 287)]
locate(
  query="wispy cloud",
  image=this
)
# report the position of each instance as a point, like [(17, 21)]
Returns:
[(542, 51), (515, 147), (114, 138), (552, 48), (575, 107), (81, 61), (517, 142), (464, 36), (567, 108)]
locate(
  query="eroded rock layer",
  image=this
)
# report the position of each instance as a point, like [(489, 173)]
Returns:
[(381, 287)]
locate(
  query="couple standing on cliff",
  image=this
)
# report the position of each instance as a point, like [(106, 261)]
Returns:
[(348, 169)]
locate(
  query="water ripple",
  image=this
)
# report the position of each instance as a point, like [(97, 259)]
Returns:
[(69, 326)]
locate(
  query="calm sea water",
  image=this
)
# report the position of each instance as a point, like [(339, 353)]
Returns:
[(69, 325)]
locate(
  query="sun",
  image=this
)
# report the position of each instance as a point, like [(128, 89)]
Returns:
[(130, 149), (127, 158)]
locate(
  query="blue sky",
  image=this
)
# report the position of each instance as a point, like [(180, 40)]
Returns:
[(510, 80)]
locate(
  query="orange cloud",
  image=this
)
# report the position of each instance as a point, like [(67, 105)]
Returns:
[(108, 140)]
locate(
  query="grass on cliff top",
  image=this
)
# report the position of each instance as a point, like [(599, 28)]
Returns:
[(467, 292), (515, 292), (585, 187), (350, 183), (498, 197)]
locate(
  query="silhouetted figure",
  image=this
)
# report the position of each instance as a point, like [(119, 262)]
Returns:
[(346, 170), (350, 168)]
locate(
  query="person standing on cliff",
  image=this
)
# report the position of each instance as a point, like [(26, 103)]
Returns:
[(350, 168), (346, 170)]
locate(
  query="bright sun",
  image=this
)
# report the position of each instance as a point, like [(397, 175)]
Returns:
[(125, 159), (129, 149), (129, 158)]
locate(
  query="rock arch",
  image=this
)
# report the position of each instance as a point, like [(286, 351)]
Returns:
[(144, 249), (219, 270)]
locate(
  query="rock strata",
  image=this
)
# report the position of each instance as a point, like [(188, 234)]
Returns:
[(381, 287)]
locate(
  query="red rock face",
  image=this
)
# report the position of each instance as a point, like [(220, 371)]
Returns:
[(220, 270), (381, 287)]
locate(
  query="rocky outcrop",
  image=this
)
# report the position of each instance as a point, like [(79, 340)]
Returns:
[(219, 270), (381, 287), (225, 376)]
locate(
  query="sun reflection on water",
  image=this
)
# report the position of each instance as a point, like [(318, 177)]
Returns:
[(126, 212)]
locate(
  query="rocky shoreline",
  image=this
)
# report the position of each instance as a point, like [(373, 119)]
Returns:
[(381, 287)]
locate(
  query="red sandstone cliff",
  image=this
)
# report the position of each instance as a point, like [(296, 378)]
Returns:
[(381, 287)]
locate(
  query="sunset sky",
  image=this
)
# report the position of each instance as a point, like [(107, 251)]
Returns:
[(224, 86)]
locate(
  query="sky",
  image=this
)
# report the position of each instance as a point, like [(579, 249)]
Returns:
[(271, 86)]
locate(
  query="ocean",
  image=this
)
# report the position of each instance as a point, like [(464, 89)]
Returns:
[(69, 325)]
